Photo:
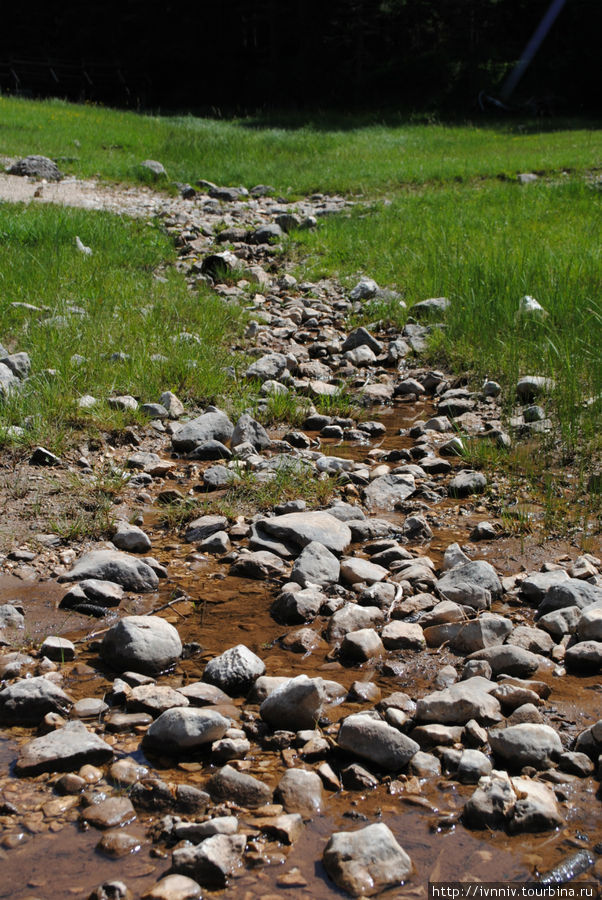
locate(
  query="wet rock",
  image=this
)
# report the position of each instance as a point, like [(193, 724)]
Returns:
[(237, 787), (200, 694), (198, 831), (300, 791), (304, 640), (584, 657), (294, 705), (508, 660), (525, 714), (428, 736), (10, 617), (174, 887), (367, 861), (380, 594), (258, 565), (285, 828), (512, 696), (389, 491), (111, 890), (535, 809), (112, 565), (184, 729), (424, 765), (293, 607), (305, 527), (26, 702), (525, 745), (117, 844), (376, 741), (145, 644), (492, 804), (357, 778), (576, 764), (110, 813), (211, 426), (62, 750), (316, 565), (212, 862), (458, 704), (58, 649), (235, 670)]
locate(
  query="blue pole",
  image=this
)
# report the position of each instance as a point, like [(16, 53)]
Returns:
[(532, 47)]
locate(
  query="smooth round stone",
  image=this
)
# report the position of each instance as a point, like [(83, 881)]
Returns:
[(89, 708), (118, 844)]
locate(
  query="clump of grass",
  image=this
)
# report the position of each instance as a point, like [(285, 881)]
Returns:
[(104, 325), (249, 494), (356, 153)]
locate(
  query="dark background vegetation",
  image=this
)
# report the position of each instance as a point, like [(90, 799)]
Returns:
[(244, 55)]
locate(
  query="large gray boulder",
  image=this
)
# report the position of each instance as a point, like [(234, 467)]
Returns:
[(316, 565), (270, 367), (230, 785), (303, 528), (35, 166), (461, 702), (478, 573), (211, 426), (295, 705), (492, 803), (200, 529), (367, 861), (468, 637), (527, 744), (146, 644), (234, 670), (64, 750), (27, 701), (182, 729), (352, 617), (376, 741), (112, 565), (249, 429), (295, 607), (506, 659), (571, 592), (389, 491)]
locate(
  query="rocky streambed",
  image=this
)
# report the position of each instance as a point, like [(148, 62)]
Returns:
[(365, 697)]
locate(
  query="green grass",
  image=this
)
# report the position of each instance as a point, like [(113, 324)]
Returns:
[(294, 154), (125, 310), (484, 248)]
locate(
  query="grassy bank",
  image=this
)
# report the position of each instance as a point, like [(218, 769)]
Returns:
[(484, 249), (102, 324), (293, 154)]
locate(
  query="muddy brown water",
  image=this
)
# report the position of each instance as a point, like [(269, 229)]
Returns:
[(220, 612)]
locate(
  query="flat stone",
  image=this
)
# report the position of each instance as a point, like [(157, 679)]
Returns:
[(536, 808), (118, 844), (112, 565), (203, 527), (183, 729), (376, 741), (458, 704), (27, 701), (304, 527), (316, 565), (508, 660), (356, 570), (63, 750), (367, 861), (110, 813), (58, 649), (210, 426), (353, 617), (389, 491), (293, 607), (478, 573), (403, 636), (155, 699), (174, 887)]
